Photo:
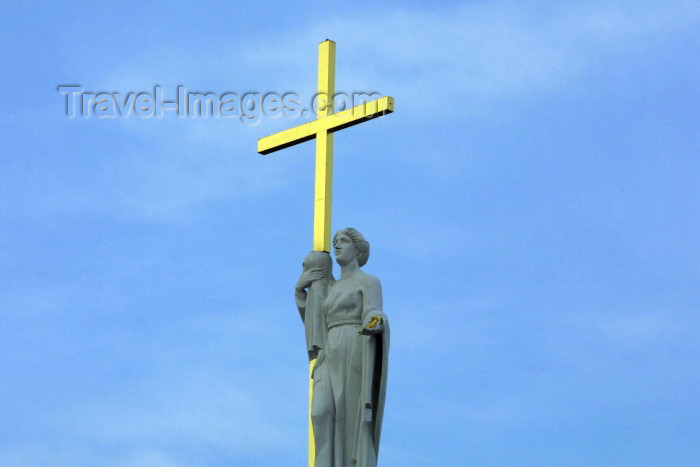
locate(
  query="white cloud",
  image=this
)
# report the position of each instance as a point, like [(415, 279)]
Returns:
[(460, 61), (201, 407), (204, 386), (477, 52), (642, 327)]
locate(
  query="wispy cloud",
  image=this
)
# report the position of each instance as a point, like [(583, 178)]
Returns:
[(201, 396), (463, 57), (460, 61)]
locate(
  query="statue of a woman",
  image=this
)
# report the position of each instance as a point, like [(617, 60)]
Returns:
[(351, 353)]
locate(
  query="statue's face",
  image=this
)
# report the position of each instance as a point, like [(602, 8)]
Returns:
[(345, 251)]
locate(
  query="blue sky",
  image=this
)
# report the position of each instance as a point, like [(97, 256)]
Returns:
[(533, 207)]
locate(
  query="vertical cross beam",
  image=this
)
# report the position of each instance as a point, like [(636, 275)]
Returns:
[(323, 191), (323, 195)]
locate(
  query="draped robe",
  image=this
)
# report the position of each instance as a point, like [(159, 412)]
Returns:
[(350, 373)]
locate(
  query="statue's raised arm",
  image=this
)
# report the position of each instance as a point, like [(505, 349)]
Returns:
[(310, 292)]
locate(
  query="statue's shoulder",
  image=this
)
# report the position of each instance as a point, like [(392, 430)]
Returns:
[(370, 280)]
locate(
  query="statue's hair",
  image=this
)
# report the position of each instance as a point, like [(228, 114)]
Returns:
[(361, 244)]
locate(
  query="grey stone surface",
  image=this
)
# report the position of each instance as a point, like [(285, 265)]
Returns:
[(348, 334)]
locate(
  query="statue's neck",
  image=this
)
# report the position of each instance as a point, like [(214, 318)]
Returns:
[(349, 270)]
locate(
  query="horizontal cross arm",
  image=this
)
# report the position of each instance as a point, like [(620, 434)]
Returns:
[(286, 138), (330, 123), (359, 114)]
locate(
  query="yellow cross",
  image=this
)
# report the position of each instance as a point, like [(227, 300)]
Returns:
[(322, 129)]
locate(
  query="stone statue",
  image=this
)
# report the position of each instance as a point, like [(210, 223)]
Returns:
[(348, 334)]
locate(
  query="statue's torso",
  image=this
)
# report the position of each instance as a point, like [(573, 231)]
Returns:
[(343, 305)]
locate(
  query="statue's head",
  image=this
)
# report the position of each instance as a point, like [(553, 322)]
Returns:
[(319, 259), (360, 244)]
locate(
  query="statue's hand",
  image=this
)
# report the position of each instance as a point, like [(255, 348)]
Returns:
[(375, 326), (309, 277)]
